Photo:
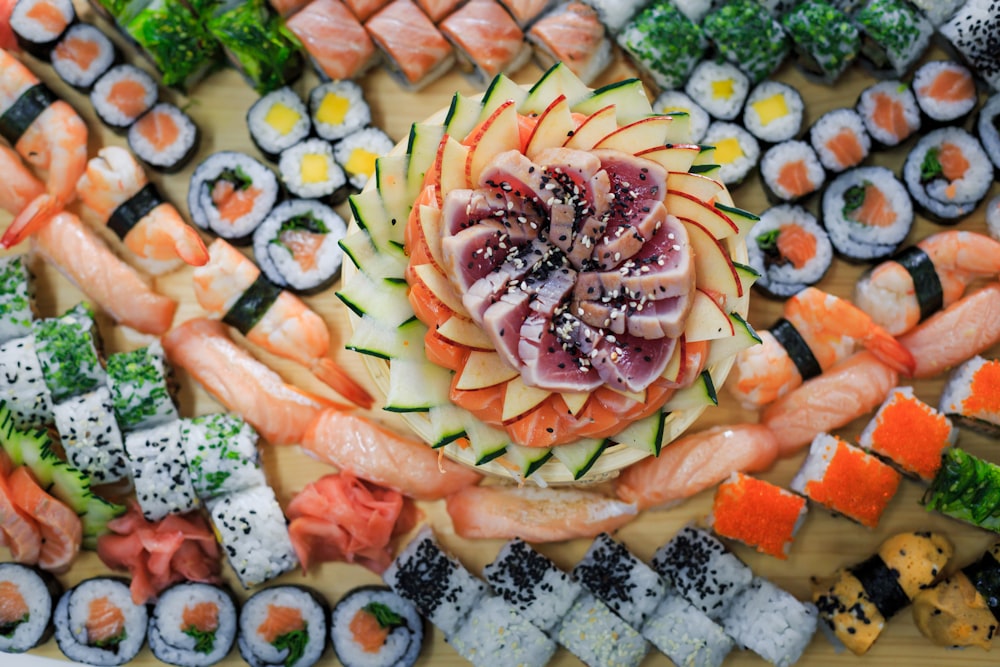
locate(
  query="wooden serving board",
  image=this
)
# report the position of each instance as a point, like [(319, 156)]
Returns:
[(825, 542)]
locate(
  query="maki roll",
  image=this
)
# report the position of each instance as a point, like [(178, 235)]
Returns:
[(773, 112), (945, 91), (969, 397), (230, 194), (308, 170), (846, 480), (357, 153), (757, 513), (298, 245), (890, 112), (17, 300), (416, 52), (573, 35), (585, 630), (663, 44), (686, 635), (615, 14), (721, 88), (487, 40), (222, 455), (771, 622), (948, 174), (277, 121), (973, 32), (746, 35), (675, 101), (893, 35), (789, 249), (193, 625), (27, 598), (790, 171), (283, 625), (856, 601), (867, 213), (825, 40), (736, 151), (937, 11), (337, 109), (988, 129), (840, 140), (909, 433), (98, 624), (617, 578), (22, 384), (68, 349), (39, 24), (90, 436), (373, 627), (82, 55), (122, 94), (487, 631), (139, 382), (160, 471), (165, 138)]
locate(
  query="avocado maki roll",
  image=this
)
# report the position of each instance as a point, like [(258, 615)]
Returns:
[(17, 308), (222, 454), (748, 37), (395, 620), (68, 349), (140, 389)]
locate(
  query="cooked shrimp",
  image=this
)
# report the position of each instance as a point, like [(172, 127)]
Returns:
[(288, 328), (18, 187), (356, 444), (280, 412), (887, 292), (535, 514), (696, 462), (964, 329), (850, 389), (113, 178), (76, 250), (831, 327), (56, 143)]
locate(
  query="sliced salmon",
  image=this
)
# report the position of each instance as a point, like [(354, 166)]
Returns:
[(794, 179), (60, 527), (487, 34), (890, 115), (363, 9), (846, 148), (158, 128), (14, 610), (953, 162), (875, 209), (280, 620), (524, 11), (82, 52), (950, 85), (336, 40), (574, 35), (304, 246), (48, 16), (368, 632), (233, 202), (128, 96), (796, 245), (202, 616), (407, 37), (21, 532), (105, 622), (438, 9)]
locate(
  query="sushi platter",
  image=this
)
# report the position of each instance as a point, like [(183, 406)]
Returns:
[(219, 106)]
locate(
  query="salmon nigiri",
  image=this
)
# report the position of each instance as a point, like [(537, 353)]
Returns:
[(60, 527), (371, 452), (280, 413), (21, 532), (336, 41)]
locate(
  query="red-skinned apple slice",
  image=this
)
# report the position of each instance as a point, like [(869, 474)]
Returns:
[(684, 205), (714, 269), (552, 129), (707, 320), (430, 225), (679, 157), (645, 132), (675, 367), (440, 287), (701, 187), (594, 127), (497, 134), (465, 332), (575, 400)]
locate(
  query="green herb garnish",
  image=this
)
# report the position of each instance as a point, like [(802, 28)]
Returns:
[(111, 643), (854, 198), (293, 642), (768, 240), (385, 616), (236, 176), (9, 628), (204, 642), (931, 167)]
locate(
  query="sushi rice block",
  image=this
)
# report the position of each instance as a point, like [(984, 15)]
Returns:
[(757, 513), (585, 630), (416, 51), (336, 41), (493, 628), (972, 395), (771, 622), (620, 580), (22, 384), (909, 433), (973, 32), (90, 437)]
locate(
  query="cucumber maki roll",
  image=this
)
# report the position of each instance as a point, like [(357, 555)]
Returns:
[(98, 624), (90, 436), (746, 35), (663, 43), (867, 213), (27, 597), (337, 109), (309, 171), (948, 174), (193, 625), (68, 349), (82, 55), (255, 42), (22, 384), (39, 24), (160, 471), (357, 154), (17, 310), (824, 39), (139, 384), (966, 488), (283, 625), (277, 121), (222, 454), (396, 629), (230, 194), (298, 245), (894, 35)]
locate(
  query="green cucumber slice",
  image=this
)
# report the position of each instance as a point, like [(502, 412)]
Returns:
[(361, 251), (527, 459), (422, 149), (373, 338), (710, 170), (580, 456), (463, 115), (725, 348), (558, 80), (706, 155), (416, 386), (370, 213), (391, 180), (680, 128), (646, 435), (698, 395), (744, 219), (447, 424), (628, 96), (487, 443), (500, 91), (384, 300)]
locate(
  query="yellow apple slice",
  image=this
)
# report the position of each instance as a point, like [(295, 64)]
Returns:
[(430, 224), (554, 126), (707, 320), (714, 270), (497, 134), (454, 158), (484, 369), (684, 205), (701, 187), (465, 332), (519, 398), (645, 132), (672, 158), (672, 372), (440, 287), (594, 127), (575, 400)]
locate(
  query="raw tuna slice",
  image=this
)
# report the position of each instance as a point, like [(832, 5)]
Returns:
[(465, 208), (624, 236), (549, 363), (485, 291), (633, 179), (475, 252)]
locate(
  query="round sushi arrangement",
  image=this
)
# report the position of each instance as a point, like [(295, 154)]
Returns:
[(867, 532)]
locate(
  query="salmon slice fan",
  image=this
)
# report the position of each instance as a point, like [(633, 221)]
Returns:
[(21, 532), (60, 527)]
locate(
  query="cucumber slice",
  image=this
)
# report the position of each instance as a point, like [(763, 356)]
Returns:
[(422, 149), (369, 211), (748, 275), (463, 115), (628, 96), (580, 456), (500, 91), (710, 170), (416, 386), (680, 128), (447, 424), (384, 300), (646, 435), (700, 394), (706, 155), (527, 460), (487, 443), (724, 348), (558, 80), (373, 338), (390, 177), (361, 251), (744, 219)]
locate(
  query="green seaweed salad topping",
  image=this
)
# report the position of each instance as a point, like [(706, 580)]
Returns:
[(8, 628), (204, 641), (966, 488), (258, 43), (385, 616), (295, 643), (930, 167), (304, 222)]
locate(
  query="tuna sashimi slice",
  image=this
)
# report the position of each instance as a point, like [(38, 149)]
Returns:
[(547, 362)]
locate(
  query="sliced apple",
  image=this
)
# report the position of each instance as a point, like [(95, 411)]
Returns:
[(454, 159), (497, 134), (645, 132), (701, 394), (484, 369), (430, 226), (519, 398), (574, 400), (502, 89), (748, 276), (675, 366), (679, 157), (627, 96), (701, 187), (714, 270), (637, 396), (439, 286), (553, 128), (684, 205), (558, 80), (465, 332), (594, 127), (707, 320)]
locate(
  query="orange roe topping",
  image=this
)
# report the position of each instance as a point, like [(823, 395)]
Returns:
[(856, 484), (757, 513), (985, 390), (912, 434)]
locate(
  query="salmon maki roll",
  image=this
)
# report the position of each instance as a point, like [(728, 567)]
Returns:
[(840, 140), (574, 35), (487, 41), (867, 213), (791, 170), (363, 9), (97, 623), (526, 11), (945, 91), (416, 51), (948, 173), (38, 24), (890, 112), (82, 55), (338, 44), (438, 9)]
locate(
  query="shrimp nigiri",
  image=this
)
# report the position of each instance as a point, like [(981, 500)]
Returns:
[(18, 187), (280, 413), (283, 325), (696, 462)]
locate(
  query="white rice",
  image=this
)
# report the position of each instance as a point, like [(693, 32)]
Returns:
[(993, 217), (35, 30), (168, 640), (686, 635), (988, 128), (372, 140), (779, 129), (941, 197), (259, 653), (69, 70), (487, 631), (696, 10), (28, 396), (160, 472), (829, 126), (958, 390), (222, 454), (784, 278), (771, 622), (156, 156), (291, 166), (38, 597), (111, 113), (672, 101), (786, 152), (357, 115), (733, 173), (821, 453), (720, 88), (586, 629), (269, 139), (73, 611), (938, 109), (861, 241), (90, 437), (616, 13), (895, 89)]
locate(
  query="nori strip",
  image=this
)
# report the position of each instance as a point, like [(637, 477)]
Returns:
[(926, 282), (130, 212), (798, 349), (881, 583), (985, 577), (252, 304), (966, 488), (176, 41), (16, 120)]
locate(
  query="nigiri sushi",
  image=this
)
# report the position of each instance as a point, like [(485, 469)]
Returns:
[(572, 34), (337, 42), (416, 51)]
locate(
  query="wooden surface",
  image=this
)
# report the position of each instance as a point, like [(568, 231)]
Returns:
[(219, 105)]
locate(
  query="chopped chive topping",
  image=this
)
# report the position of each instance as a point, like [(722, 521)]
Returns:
[(236, 176), (931, 167), (204, 642), (385, 616)]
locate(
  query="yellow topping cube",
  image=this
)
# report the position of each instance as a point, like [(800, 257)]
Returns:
[(771, 108), (333, 109), (361, 162), (282, 118), (723, 88), (728, 151), (314, 168)]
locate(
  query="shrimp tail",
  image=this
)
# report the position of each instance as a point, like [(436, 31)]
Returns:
[(39, 211), (890, 351), (191, 248), (327, 370)]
